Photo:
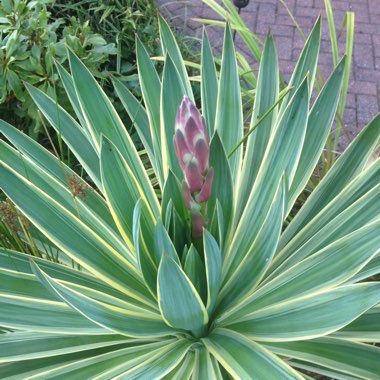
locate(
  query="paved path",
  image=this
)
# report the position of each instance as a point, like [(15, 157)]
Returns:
[(262, 15)]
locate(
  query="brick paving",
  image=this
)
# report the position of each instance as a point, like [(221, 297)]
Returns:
[(263, 15)]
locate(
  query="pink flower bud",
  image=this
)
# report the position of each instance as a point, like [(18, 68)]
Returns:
[(205, 192), (181, 148), (193, 175), (202, 152)]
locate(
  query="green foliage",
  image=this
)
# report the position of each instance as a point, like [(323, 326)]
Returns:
[(118, 22), (252, 298), (30, 41)]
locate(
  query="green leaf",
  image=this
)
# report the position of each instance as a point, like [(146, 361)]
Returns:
[(338, 216), (68, 84), (230, 14), (283, 148), (321, 233), (245, 359), (151, 92), (44, 316), (102, 119), (143, 237), (138, 116), (319, 124), (15, 84), (72, 236), (170, 47), (163, 244), (54, 167), (310, 316), (173, 191), (222, 186), (317, 369), (178, 229), (81, 205), (19, 284), (28, 345), (175, 288), (349, 165), (71, 132), (369, 270), (205, 366), (209, 85), (195, 271), (354, 359), (267, 93), (172, 92), (306, 64), (229, 113), (121, 189), (184, 370), (216, 226), (132, 321), (161, 363), (213, 264), (19, 264), (108, 361), (323, 270), (257, 259), (366, 328)]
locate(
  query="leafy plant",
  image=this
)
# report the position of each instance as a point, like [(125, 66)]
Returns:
[(29, 43), (118, 22), (251, 297)]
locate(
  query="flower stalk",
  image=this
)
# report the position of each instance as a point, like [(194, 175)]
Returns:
[(192, 147)]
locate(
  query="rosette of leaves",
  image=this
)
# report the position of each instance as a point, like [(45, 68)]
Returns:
[(257, 296)]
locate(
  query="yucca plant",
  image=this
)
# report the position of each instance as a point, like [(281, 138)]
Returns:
[(203, 275)]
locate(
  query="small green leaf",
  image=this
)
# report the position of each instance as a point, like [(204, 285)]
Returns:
[(151, 92), (172, 93), (121, 189), (142, 230), (72, 133), (172, 191), (138, 116), (195, 270), (267, 93), (222, 186), (170, 47), (163, 244), (213, 264), (174, 289), (229, 113), (209, 85)]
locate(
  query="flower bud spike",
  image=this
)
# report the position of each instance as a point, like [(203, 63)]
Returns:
[(191, 142)]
